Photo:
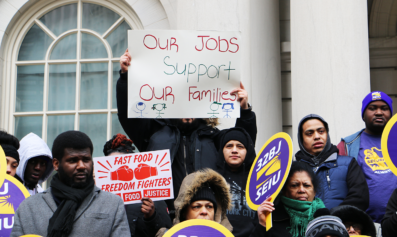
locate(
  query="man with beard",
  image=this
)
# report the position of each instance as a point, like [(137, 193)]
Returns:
[(190, 141), (73, 205), (365, 146)]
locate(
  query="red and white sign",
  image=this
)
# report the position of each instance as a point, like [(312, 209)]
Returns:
[(136, 175)]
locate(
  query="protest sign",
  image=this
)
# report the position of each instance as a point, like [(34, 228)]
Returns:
[(12, 193), (388, 144), (183, 74), (136, 175), (3, 166), (198, 228), (269, 171)]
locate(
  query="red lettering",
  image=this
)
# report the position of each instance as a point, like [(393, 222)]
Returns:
[(166, 46), (216, 44), (234, 44), (140, 92), (225, 93), (202, 41), (173, 43), (159, 98), (107, 188), (206, 92), (190, 93), (144, 38), (169, 94), (227, 43)]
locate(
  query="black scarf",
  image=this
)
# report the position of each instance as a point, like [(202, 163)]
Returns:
[(61, 222), (316, 160)]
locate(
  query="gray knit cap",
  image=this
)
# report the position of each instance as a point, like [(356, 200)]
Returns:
[(326, 225)]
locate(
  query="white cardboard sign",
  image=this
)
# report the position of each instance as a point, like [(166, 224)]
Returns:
[(136, 175), (183, 74)]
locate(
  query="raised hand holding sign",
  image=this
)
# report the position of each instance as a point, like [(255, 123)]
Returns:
[(268, 174)]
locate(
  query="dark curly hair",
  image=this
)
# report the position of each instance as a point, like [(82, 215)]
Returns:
[(119, 143)]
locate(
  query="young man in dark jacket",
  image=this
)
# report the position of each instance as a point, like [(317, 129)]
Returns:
[(236, 155), (190, 141), (365, 146), (341, 180)]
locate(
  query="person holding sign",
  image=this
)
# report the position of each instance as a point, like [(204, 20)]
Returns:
[(365, 146), (73, 205), (203, 194), (190, 141), (147, 218), (342, 181), (294, 207), (236, 155)]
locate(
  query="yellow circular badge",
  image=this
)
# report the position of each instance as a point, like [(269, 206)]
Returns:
[(3, 166), (388, 144), (198, 228)]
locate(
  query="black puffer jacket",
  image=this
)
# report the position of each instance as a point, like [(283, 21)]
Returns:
[(348, 213), (193, 151), (241, 216)]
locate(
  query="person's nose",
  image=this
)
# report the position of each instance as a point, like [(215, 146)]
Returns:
[(8, 169), (316, 135), (351, 230), (301, 189), (38, 166), (234, 149), (203, 211), (378, 111), (80, 165)]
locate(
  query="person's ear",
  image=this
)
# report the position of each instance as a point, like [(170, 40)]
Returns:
[(55, 163)]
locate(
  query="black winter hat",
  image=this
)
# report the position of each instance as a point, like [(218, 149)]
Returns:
[(10, 151), (205, 193), (235, 135), (348, 213), (326, 225)]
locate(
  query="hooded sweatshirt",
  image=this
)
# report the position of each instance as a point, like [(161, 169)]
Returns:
[(341, 180), (193, 183), (32, 146), (241, 216)]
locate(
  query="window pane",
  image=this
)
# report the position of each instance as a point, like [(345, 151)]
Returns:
[(118, 39), (116, 126), (66, 48), (57, 125), (92, 47), (94, 86), (61, 19), (30, 81), (94, 125), (25, 125), (98, 18), (34, 45), (116, 75), (62, 87)]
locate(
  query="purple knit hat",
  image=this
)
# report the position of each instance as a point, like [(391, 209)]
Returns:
[(374, 96)]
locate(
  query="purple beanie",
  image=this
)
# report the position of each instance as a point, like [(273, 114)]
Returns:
[(374, 96)]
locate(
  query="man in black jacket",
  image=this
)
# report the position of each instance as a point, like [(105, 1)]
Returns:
[(237, 153), (190, 141)]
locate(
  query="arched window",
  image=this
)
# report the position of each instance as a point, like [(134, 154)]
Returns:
[(67, 68)]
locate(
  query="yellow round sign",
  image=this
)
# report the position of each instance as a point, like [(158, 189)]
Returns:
[(198, 228), (388, 144), (3, 166)]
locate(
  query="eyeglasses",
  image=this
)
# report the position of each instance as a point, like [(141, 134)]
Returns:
[(355, 226)]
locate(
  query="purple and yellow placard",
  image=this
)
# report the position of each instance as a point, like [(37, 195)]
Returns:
[(389, 144), (12, 193), (269, 172), (198, 228)]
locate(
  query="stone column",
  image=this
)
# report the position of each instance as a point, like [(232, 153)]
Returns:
[(330, 63)]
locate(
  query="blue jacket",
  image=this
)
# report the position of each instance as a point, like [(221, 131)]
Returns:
[(351, 144), (341, 182)]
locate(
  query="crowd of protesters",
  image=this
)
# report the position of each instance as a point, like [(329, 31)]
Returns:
[(341, 190)]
